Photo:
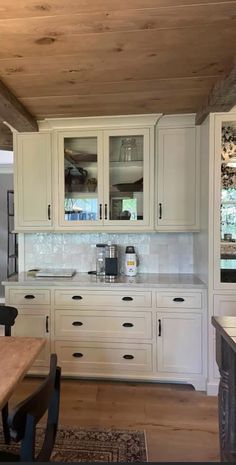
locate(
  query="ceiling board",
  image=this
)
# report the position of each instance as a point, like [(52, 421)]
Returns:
[(118, 21), (36, 8)]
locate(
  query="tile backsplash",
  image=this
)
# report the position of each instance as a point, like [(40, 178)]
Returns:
[(157, 252)]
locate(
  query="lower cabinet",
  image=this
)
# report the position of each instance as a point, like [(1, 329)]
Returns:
[(179, 343), (35, 322), (128, 334)]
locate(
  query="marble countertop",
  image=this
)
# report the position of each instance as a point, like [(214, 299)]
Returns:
[(144, 280)]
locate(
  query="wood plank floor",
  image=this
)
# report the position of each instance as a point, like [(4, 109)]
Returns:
[(180, 423)]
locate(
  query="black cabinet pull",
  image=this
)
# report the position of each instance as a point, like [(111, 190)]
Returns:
[(100, 211), (49, 212), (77, 297), (128, 357), (128, 325), (127, 299), (159, 327), (47, 318), (77, 323), (29, 296), (160, 211), (178, 299), (105, 211), (77, 354)]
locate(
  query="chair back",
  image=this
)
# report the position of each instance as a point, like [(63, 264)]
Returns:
[(7, 317), (24, 418)]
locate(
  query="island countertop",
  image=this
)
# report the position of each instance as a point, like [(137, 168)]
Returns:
[(142, 280)]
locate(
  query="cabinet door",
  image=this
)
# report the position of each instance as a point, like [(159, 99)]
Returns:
[(128, 183), (33, 185), (80, 179), (177, 180), (179, 343), (35, 323)]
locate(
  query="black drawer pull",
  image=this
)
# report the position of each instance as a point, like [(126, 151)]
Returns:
[(127, 299), (77, 354), (128, 325), (29, 296), (77, 297), (178, 299), (77, 323), (128, 357)]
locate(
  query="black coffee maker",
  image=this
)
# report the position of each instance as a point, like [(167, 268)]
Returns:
[(111, 261)]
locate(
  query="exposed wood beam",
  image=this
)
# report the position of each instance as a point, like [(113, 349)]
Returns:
[(6, 138), (13, 112), (221, 98)]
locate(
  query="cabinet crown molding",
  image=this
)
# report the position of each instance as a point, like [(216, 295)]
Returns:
[(99, 122), (174, 121)]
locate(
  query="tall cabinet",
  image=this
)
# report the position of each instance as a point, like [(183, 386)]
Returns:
[(215, 246)]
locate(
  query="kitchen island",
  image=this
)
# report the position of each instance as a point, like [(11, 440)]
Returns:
[(226, 360), (152, 327)]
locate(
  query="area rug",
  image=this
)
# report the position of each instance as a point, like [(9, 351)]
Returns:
[(93, 445)]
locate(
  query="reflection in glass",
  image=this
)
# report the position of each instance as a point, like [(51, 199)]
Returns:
[(126, 178), (80, 168), (228, 202)]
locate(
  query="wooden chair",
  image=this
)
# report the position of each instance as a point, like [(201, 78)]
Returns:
[(23, 420), (7, 319)]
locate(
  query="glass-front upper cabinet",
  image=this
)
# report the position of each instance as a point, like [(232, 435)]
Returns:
[(80, 178), (228, 202), (127, 182), (105, 180)]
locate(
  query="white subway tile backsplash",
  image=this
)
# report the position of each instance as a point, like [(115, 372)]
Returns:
[(157, 252)]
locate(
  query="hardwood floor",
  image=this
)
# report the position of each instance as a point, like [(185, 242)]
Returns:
[(180, 424)]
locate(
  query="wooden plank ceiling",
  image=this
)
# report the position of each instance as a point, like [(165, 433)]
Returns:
[(106, 57)]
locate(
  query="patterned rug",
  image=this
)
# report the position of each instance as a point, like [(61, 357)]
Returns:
[(93, 445)]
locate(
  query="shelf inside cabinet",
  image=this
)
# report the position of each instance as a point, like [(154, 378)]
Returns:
[(126, 164), (84, 195)]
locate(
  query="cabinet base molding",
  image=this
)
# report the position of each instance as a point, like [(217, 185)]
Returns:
[(212, 388)]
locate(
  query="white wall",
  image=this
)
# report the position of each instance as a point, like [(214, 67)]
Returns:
[(6, 157)]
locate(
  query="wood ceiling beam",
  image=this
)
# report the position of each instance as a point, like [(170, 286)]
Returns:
[(6, 138), (14, 113), (221, 98)]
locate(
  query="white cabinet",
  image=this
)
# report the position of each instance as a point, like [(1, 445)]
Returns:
[(179, 343), (33, 319), (106, 178), (32, 181), (177, 177), (35, 322)]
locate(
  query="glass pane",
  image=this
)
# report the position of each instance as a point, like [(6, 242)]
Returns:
[(228, 203), (81, 171), (126, 178)]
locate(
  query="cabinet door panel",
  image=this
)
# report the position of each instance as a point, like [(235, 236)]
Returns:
[(177, 178), (179, 343), (35, 323), (225, 305), (33, 181)]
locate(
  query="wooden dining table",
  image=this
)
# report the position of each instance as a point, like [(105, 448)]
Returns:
[(17, 354)]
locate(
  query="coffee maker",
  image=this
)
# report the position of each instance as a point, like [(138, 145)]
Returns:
[(111, 261)]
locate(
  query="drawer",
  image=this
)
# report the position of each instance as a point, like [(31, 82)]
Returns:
[(19, 296), (100, 358), (74, 324), (179, 299), (79, 298)]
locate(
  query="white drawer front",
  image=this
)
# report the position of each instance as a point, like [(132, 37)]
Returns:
[(79, 298), (29, 296), (178, 299), (99, 358), (74, 323)]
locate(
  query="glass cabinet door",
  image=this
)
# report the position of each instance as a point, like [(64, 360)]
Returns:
[(127, 177), (228, 202), (80, 166)]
